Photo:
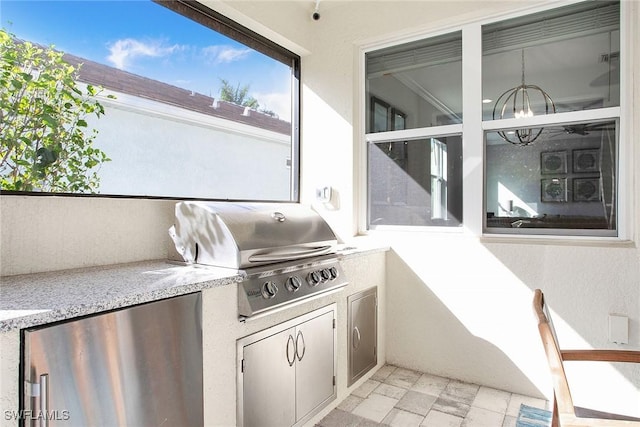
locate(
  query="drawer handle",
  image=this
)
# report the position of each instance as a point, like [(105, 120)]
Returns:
[(44, 400), (356, 338), (291, 360), (304, 346)]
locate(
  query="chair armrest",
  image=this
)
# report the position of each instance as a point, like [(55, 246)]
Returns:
[(631, 356)]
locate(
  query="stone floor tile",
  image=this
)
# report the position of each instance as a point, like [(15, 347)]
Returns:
[(366, 388), (350, 403), (509, 421), (339, 418), (375, 407), (390, 391), (492, 399), (400, 418), (440, 419), (382, 373), (397, 396), (460, 391), (418, 403), (404, 378), (451, 406), (479, 417), (430, 384)]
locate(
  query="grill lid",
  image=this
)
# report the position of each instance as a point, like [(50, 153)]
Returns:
[(241, 235)]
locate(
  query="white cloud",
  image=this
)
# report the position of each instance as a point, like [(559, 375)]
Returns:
[(225, 54), (124, 51), (279, 103)]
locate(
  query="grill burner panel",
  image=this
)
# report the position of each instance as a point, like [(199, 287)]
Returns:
[(271, 287)]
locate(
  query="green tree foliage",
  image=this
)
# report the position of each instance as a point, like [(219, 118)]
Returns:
[(237, 95), (45, 141)]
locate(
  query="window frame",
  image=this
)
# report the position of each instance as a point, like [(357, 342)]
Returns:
[(474, 128), (409, 135), (405, 135), (204, 15)]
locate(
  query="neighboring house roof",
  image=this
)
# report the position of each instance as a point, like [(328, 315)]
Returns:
[(122, 81)]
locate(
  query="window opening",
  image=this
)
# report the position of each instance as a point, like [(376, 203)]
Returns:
[(179, 102)]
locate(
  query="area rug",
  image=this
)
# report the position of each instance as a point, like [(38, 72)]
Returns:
[(533, 417)]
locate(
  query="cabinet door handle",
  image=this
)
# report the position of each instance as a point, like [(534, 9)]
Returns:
[(304, 347), (44, 400), (291, 360), (355, 339)]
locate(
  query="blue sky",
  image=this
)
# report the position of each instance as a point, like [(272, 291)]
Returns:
[(147, 39)]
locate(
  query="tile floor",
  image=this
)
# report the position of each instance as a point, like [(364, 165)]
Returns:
[(400, 397)]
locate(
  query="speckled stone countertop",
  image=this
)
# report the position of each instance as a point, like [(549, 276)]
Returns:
[(36, 299)]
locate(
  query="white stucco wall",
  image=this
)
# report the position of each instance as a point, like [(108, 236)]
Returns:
[(161, 150), (457, 305)]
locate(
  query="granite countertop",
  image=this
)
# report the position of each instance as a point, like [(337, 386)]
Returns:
[(36, 299)]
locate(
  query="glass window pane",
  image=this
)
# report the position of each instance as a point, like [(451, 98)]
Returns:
[(416, 182), (565, 180), (421, 80), (190, 112), (572, 54)]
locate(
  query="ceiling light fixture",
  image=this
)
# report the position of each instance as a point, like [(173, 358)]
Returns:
[(517, 103)]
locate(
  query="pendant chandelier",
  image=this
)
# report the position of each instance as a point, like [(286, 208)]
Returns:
[(516, 103)]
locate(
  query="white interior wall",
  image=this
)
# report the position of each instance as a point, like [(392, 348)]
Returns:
[(457, 305)]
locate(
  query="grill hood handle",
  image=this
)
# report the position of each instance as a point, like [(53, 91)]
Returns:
[(286, 255)]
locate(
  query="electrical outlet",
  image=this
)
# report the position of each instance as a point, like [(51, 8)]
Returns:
[(618, 329), (323, 194)]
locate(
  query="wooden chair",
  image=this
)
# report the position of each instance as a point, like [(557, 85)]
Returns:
[(564, 413)]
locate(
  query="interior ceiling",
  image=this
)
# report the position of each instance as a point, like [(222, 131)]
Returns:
[(573, 56)]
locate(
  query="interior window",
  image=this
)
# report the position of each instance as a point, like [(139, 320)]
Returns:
[(414, 92), (416, 182), (160, 99), (554, 177), (418, 81), (567, 59), (566, 180)]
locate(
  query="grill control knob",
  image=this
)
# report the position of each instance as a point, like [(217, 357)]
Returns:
[(334, 273), (293, 283), (313, 278), (326, 274), (269, 290)]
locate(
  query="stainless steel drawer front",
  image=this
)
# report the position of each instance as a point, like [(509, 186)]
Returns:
[(140, 366)]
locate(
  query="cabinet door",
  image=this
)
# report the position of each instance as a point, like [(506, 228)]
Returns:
[(362, 333), (269, 381), (315, 363), (140, 366)]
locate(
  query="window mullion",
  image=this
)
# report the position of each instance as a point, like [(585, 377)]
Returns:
[(472, 146), (547, 119), (409, 134)]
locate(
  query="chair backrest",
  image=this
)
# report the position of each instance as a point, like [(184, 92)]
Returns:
[(563, 401)]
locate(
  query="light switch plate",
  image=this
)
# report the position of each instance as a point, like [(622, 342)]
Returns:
[(618, 329)]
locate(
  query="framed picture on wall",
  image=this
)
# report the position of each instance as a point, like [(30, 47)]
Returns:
[(553, 190), (586, 189), (553, 162), (586, 161)]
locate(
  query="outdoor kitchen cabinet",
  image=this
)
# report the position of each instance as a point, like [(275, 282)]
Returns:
[(363, 332), (287, 372)]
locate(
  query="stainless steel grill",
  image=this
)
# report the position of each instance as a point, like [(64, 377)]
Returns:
[(285, 251)]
